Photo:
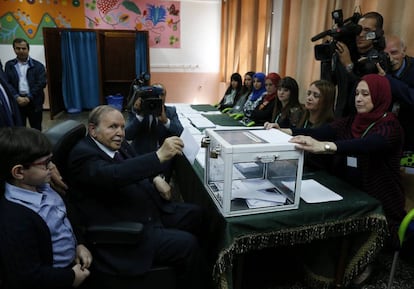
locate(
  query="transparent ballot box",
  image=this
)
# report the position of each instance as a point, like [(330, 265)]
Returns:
[(250, 171)]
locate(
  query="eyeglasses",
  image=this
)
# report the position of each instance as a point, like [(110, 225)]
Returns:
[(46, 163)]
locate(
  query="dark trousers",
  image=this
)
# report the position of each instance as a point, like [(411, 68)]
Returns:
[(33, 114), (177, 245)]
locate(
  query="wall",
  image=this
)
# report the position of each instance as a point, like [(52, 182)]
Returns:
[(191, 72)]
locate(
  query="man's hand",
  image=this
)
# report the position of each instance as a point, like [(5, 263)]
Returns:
[(162, 187), (80, 275), (56, 181), (163, 117), (22, 100), (381, 71), (83, 257), (343, 53), (171, 147)]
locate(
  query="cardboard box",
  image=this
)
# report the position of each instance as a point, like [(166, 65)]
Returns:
[(250, 171)]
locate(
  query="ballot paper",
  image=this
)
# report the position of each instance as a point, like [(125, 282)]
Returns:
[(191, 146), (314, 192)]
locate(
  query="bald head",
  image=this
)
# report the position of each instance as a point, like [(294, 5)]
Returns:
[(396, 49)]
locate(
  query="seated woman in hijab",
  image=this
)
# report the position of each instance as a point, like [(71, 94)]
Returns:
[(370, 144)]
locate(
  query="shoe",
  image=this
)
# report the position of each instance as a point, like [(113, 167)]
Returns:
[(362, 278)]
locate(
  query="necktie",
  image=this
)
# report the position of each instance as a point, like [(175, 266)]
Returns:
[(118, 157), (6, 108)]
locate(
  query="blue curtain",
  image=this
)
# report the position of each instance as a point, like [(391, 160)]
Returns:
[(141, 57), (80, 83)]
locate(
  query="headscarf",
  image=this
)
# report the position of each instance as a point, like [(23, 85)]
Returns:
[(275, 78), (380, 90), (258, 92)]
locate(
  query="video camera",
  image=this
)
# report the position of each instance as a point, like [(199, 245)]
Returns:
[(346, 31), (151, 102)]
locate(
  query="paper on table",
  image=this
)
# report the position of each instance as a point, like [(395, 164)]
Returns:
[(272, 135), (256, 189), (252, 203), (314, 192), (191, 147), (201, 122)]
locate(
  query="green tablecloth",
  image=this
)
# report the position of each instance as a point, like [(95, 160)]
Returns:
[(357, 215), (203, 107)]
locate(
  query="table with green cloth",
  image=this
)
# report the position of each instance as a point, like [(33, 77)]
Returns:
[(358, 219)]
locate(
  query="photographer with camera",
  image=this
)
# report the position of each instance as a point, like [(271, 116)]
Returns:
[(356, 49), (150, 121)]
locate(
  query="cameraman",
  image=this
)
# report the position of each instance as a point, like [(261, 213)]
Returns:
[(370, 44), (147, 131)]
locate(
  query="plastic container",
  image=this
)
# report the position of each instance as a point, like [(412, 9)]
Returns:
[(116, 101)]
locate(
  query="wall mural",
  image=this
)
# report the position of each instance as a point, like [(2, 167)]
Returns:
[(26, 18)]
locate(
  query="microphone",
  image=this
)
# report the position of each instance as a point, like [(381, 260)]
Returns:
[(321, 35), (349, 29)]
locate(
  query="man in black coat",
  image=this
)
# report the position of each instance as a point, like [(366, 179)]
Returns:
[(9, 110), (110, 188)]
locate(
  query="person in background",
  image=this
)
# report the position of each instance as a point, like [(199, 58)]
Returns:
[(319, 104), (111, 183), (255, 97), (38, 247), (232, 94), (9, 109), (371, 145), (264, 108), (401, 79), (353, 65), (288, 111), (245, 93), (27, 78), (147, 136)]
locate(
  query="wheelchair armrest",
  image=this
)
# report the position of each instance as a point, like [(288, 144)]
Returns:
[(115, 233)]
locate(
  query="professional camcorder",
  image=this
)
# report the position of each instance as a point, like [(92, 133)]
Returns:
[(151, 102), (346, 31)]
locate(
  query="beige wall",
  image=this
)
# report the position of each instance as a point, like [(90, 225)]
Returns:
[(190, 87)]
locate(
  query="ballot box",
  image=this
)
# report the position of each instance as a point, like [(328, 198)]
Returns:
[(251, 170)]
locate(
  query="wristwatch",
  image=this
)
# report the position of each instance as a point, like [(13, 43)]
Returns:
[(327, 147), (349, 67)]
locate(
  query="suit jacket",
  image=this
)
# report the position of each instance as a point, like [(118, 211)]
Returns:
[(106, 190), (144, 139), (13, 104), (36, 77), (26, 251)]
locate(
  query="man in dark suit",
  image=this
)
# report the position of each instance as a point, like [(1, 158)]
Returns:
[(109, 188), (148, 132), (9, 110)]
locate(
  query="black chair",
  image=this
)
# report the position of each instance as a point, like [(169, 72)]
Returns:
[(63, 137)]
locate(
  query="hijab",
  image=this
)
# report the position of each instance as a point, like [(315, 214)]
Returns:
[(380, 90), (275, 78), (258, 92)]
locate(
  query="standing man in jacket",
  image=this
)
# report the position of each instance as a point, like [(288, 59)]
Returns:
[(27, 78)]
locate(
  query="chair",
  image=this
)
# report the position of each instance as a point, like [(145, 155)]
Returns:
[(404, 226), (63, 137)]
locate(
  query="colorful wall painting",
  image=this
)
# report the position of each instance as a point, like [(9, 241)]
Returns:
[(26, 18), (160, 18)]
